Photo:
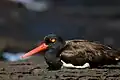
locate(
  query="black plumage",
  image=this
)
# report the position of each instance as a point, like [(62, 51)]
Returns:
[(77, 52)]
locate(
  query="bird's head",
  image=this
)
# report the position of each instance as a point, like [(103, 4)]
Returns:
[(50, 41)]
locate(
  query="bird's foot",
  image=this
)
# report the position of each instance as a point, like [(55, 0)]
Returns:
[(86, 65)]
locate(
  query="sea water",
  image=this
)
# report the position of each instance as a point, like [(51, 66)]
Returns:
[(13, 57)]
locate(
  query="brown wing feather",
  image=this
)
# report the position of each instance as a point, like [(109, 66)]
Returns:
[(84, 49)]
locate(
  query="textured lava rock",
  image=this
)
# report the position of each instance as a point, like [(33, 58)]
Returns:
[(33, 71)]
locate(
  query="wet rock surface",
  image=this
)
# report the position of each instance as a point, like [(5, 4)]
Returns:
[(31, 71)]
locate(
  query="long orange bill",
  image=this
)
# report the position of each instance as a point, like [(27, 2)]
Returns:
[(42, 47)]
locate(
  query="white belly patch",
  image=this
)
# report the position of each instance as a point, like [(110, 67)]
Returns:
[(68, 65)]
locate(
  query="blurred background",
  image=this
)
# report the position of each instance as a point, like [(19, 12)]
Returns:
[(23, 23)]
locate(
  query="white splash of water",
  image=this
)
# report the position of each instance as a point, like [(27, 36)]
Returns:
[(13, 57)]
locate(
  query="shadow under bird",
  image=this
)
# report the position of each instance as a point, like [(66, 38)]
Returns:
[(74, 53)]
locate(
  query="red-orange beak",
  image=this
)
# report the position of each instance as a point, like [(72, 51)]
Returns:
[(40, 48)]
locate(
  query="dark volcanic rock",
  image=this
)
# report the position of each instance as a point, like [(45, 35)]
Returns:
[(31, 71)]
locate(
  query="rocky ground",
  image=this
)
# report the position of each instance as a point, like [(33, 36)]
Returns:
[(36, 70)]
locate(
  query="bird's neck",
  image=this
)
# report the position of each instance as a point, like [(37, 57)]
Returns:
[(55, 49), (52, 55)]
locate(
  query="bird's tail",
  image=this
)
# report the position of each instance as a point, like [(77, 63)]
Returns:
[(116, 54)]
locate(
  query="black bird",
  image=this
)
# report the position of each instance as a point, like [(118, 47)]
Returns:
[(75, 53)]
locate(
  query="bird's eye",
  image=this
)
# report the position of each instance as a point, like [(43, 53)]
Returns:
[(52, 40)]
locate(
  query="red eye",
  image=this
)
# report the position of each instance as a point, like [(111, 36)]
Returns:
[(52, 40)]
